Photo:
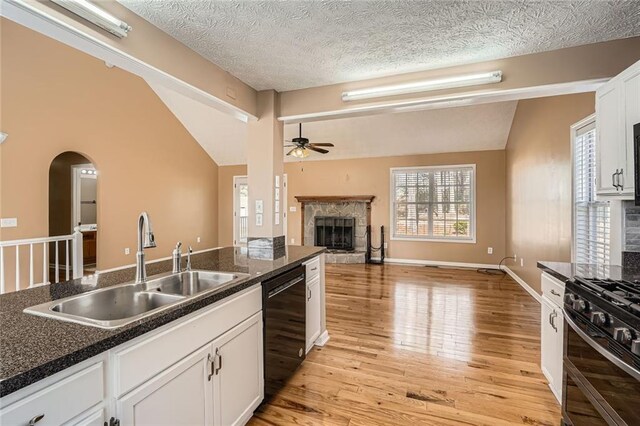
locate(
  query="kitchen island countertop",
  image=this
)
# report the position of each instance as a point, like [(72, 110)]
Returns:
[(34, 347)]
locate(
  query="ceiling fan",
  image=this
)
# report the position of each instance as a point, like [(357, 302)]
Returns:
[(302, 146)]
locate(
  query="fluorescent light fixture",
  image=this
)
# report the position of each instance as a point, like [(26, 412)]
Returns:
[(3, 136), (96, 15), (424, 86)]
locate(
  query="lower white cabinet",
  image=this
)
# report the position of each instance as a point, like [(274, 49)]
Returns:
[(181, 395), (552, 335), (313, 312), (238, 377)]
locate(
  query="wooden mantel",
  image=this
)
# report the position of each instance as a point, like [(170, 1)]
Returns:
[(303, 199), (334, 198)]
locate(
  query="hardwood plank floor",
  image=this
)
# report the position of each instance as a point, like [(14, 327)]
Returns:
[(418, 345)]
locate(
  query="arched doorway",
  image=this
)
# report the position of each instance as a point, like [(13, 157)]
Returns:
[(73, 202)]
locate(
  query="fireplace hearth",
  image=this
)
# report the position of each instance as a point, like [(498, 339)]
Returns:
[(335, 232)]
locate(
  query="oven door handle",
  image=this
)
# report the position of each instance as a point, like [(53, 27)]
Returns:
[(602, 351), (285, 286)]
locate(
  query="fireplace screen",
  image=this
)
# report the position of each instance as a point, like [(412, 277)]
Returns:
[(337, 233)]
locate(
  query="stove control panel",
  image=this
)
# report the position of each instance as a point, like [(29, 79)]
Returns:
[(600, 318)]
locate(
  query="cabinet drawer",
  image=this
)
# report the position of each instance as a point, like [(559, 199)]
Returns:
[(553, 289), (140, 360), (313, 268), (59, 402)]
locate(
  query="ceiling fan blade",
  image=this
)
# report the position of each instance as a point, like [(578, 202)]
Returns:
[(313, 148), (322, 144), (290, 145), (291, 152)]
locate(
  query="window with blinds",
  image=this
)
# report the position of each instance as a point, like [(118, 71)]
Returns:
[(433, 203), (591, 217)]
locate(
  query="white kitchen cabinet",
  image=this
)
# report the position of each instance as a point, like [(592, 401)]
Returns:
[(313, 312), (552, 333), (617, 110), (238, 377), (181, 395)]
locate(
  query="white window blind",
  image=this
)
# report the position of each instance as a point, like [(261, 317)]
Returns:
[(433, 203), (591, 217)]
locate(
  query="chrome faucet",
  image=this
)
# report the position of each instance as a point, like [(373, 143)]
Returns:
[(177, 257), (145, 240), (189, 259)]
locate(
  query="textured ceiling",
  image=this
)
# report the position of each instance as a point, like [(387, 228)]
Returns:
[(287, 45)]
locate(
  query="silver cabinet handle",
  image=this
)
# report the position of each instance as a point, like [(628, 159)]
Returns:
[(308, 294), (211, 367), (36, 419), (621, 179), (314, 268), (552, 317), (555, 293), (218, 361), (615, 180)]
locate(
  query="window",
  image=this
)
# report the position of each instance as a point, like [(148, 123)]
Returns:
[(591, 224), (433, 203)]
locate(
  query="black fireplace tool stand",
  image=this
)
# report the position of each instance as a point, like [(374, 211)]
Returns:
[(370, 248)]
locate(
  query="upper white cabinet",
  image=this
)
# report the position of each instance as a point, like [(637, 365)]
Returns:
[(617, 110)]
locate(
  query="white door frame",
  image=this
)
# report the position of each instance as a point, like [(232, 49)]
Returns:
[(283, 199), (76, 170)]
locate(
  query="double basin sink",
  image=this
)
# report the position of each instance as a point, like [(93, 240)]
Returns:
[(119, 305)]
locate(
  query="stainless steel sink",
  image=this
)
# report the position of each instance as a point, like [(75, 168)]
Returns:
[(119, 305), (190, 283)]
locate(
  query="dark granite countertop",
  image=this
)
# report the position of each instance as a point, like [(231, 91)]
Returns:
[(565, 271), (34, 347)]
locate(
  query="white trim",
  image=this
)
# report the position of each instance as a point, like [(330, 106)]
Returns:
[(421, 262), (133, 265), (449, 101), (434, 239), (523, 284), (322, 339), (45, 23)]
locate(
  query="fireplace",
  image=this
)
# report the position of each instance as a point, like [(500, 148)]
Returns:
[(335, 232)]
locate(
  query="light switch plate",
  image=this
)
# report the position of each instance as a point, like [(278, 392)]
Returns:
[(259, 219), (293, 209), (9, 222), (259, 207)]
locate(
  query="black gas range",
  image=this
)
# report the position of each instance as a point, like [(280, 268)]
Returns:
[(602, 352)]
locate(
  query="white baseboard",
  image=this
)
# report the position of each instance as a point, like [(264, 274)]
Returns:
[(436, 263), (133, 265), (322, 339), (523, 284)]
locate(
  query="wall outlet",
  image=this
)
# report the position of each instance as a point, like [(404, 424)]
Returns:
[(9, 222), (198, 240), (127, 250), (293, 209), (386, 246), (293, 241), (489, 250), (522, 262), (515, 258)]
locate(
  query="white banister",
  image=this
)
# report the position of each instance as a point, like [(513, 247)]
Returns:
[(74, 249)]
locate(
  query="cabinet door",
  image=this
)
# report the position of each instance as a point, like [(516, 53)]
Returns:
[(609, 131), (631, 89), (180, 395), (313, 312), (551, 345), (238, 373)]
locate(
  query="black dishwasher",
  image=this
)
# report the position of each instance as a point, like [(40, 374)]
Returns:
[(284, 310)]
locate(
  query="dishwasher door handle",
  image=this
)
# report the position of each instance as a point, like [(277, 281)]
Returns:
[(284, 286)]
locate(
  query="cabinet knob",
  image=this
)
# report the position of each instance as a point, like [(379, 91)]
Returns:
[(36, 419)]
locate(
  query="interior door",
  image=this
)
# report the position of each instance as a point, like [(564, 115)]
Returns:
[(238, 373), (240, 210), (181, 395)]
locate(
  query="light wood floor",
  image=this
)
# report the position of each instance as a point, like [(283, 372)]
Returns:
[(415, 345)]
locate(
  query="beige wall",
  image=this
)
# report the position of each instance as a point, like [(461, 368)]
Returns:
[(371, 176), (56, 99), (539, 181), (599, 60)]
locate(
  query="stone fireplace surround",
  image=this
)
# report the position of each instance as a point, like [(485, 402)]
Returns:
[(358, 207)]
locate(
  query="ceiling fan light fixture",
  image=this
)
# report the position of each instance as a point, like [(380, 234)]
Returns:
[(300, 153), (424, 86)]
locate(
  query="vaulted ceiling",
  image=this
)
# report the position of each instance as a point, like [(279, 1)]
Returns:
[(287, 45)]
